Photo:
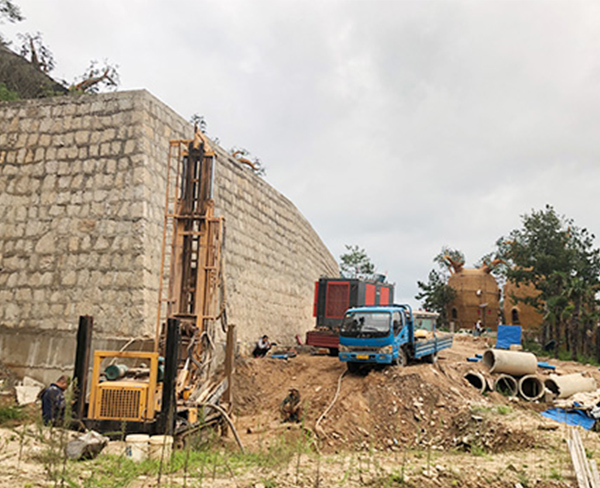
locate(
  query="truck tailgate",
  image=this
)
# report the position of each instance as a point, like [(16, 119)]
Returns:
[(322, 338)]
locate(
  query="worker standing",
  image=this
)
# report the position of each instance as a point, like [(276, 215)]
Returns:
[(53, 402)]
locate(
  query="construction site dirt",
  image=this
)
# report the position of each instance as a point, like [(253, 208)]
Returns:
[(415, 426)]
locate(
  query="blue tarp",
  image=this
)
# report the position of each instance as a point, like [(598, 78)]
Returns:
[(570, 417), (507, 335)]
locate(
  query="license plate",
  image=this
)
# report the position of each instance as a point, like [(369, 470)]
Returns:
[(362, 356)]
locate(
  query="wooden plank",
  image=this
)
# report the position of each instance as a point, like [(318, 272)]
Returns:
[(581, 482), (595, 474), (582, 457)]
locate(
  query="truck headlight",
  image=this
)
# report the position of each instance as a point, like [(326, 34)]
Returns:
[(343, 348), (385, 350)]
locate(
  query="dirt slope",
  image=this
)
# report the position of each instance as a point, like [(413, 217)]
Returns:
[(386, 408)]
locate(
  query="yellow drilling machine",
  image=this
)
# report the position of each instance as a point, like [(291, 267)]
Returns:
[(154, 391)]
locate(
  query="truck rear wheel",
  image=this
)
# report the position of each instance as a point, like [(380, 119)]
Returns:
[(432, 358), (333, 351), (401, 360)]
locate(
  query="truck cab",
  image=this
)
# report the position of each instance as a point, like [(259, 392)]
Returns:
[(388, 335)]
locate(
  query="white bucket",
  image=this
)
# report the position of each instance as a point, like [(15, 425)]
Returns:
[(161, 446), (136, 447)]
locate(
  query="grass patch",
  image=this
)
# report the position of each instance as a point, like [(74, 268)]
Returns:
[(504, 409), (7, 95), (11, 414)]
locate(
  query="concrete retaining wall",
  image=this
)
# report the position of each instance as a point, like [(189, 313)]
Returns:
[(82, 184)]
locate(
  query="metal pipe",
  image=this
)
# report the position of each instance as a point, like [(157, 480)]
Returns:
[(82, 362), (477, 380), (531, 388), (567, 385), (506, 385), (166, 421), (516, 363)]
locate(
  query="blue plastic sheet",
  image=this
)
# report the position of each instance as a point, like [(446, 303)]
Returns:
[(508, 335), (570, 417)]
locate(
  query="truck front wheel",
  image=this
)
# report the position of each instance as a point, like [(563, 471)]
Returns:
[(401, 360), (353, 367)]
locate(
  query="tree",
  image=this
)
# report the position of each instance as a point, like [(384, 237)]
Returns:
[(556, 257), (199, 121), (243, 156), (450, 259), (9, 11), (356, 263), (97, 76), (33, 49), (436, 295)]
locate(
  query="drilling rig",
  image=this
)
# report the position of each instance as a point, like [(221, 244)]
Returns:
[(157, 391)]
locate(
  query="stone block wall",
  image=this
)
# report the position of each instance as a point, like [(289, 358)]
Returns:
[(82, 183)]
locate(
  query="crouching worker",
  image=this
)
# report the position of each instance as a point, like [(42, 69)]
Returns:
[(263, 346), (290, 408), (53, 402)]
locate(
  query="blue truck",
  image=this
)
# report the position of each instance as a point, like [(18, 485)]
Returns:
[(390, 334)]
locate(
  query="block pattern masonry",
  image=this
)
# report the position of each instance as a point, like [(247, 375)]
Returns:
[(82, 184)]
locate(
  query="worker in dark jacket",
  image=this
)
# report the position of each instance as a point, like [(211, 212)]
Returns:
[(53, 402), (290, 407)]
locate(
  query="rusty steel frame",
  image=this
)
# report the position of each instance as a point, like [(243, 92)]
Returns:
[(193, 268)]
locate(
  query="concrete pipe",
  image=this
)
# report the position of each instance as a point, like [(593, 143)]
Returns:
[(567, 385), (515, 363), (477, 380), (531, 388), (506, 385)]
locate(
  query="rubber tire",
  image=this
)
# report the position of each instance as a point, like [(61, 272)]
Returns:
[(432, 358), (401, 360), (353, 368), (333, 351)]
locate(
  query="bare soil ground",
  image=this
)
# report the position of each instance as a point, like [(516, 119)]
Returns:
[(418, 426)]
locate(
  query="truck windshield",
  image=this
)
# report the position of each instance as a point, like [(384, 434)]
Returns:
[(366, 324)]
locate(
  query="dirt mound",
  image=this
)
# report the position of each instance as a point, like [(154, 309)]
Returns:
[(385, 408)]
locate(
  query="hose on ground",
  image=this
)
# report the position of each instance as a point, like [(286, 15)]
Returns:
[(339, 385), (228, 419)]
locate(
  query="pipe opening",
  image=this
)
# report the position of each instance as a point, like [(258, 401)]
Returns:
[(506, 385), (476, 380), (552, 386), (488, 359), (531, 388)]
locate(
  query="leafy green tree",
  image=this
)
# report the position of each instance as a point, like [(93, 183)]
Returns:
[(558, 258), (436, 295), (355, 263)]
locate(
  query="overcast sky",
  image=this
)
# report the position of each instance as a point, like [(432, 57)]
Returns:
[(398, 126)]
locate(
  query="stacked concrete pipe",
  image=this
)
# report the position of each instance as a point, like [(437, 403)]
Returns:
[(531, 388), (567, 385), (511, 364), (506, 385), (514, 363), (477, 380)]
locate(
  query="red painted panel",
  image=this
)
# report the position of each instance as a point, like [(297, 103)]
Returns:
[(338, 296), (370, 295), (384, 296)]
